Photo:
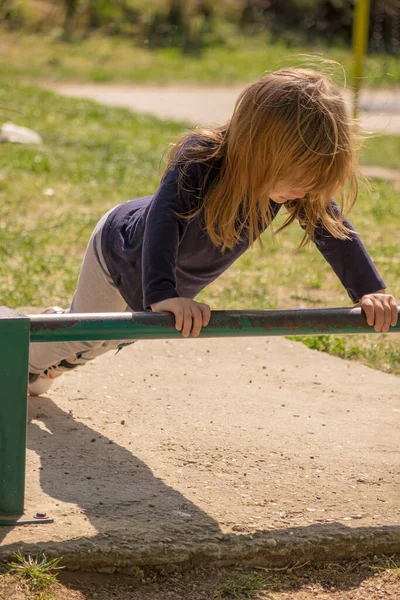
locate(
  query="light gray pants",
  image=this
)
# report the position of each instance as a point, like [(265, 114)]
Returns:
[(95, 292)]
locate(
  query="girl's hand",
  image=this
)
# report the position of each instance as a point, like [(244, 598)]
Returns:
[(380, 310), (190, 316)]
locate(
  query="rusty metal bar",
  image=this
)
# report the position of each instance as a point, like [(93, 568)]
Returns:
[(230, 323)]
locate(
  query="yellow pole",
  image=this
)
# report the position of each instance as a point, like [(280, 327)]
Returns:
[(360, 42)]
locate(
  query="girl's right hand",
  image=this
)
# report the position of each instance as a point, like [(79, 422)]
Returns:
[(190, 316)]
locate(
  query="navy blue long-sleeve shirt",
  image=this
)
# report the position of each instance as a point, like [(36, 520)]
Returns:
[(153, 253)]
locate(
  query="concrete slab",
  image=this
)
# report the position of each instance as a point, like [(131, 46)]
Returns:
[(187, 451)]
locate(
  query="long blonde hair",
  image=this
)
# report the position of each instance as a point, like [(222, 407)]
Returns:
[(289, 125)]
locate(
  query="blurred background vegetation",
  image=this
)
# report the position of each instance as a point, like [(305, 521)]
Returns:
[(195, 24)]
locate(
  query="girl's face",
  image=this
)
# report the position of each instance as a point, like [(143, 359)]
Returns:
[(284, 191)]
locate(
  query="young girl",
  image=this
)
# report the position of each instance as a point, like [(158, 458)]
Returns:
[(289, 142)]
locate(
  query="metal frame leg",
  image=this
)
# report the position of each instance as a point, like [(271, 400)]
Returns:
[(14, 353)]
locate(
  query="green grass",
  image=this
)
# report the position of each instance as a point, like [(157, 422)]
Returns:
[(241, 585), (38, 574), (382, 150), (102, 59), (374, 351), (94, 157)]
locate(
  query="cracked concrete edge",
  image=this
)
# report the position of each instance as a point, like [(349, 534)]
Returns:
[(273, 549)]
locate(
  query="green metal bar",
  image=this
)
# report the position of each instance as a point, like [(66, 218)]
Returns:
[(147, 325), (14, 349), (360, 42)]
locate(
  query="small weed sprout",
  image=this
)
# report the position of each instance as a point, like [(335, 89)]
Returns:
[(386, 563), (242, 586)]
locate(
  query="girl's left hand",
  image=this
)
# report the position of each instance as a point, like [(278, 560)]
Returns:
[(380, 310)]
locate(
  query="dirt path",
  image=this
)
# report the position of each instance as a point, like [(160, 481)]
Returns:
[(380, 110), (202, 105)]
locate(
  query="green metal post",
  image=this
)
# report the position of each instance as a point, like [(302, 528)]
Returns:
[(14, 352), (360, 42)]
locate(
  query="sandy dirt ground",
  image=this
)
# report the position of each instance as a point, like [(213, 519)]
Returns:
[(353, 581)]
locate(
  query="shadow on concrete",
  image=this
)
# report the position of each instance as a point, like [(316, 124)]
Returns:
[(110, 485), (142, 521)]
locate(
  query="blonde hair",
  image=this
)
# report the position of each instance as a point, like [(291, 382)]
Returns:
[(290, 125)]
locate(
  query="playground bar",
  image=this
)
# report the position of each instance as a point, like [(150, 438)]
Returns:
[(18, 330), (229, 323)]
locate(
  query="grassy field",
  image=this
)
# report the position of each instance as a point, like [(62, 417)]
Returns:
[(98, 58), (382, 150), (94, 157)]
